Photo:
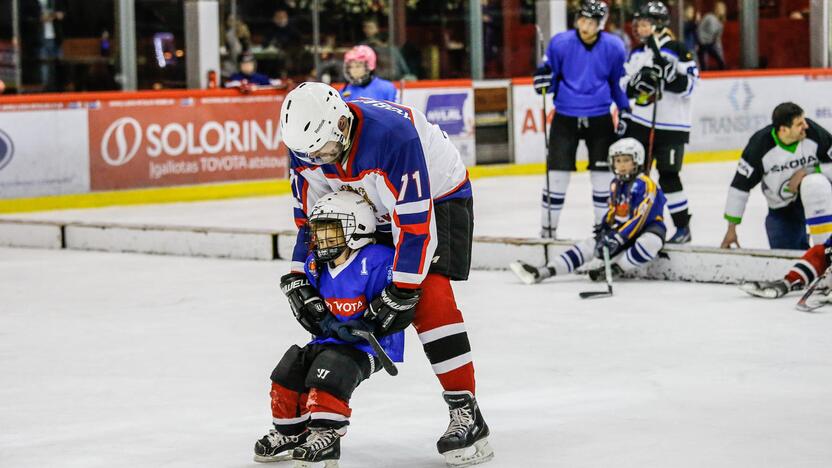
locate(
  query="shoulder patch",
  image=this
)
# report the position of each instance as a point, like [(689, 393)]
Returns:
[(744, 169)]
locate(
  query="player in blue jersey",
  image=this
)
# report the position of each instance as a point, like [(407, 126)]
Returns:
[(418, 187), (633, 228), (582, 69), (312, 385), (359, 70)]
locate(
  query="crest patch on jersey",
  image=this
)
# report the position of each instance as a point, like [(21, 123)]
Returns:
[(744, 169)]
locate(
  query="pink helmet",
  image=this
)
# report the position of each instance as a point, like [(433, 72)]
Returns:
[(361, 53)]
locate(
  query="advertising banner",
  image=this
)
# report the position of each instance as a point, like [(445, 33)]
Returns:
[(452, 109), (176, 141), (43, 153), (725, 111)]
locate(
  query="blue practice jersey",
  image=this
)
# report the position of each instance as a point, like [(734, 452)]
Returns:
[(349, 288), (377, 88), (402, 165), (585, 79), (634, 205)]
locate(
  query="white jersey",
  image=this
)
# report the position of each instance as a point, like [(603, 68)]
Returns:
[(673, 113), (402, 164)]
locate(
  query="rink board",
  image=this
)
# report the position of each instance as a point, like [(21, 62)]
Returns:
[(677, 263)]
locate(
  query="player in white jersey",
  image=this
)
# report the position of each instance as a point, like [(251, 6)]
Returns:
[(791, 157), (415, 181), (670, 78)]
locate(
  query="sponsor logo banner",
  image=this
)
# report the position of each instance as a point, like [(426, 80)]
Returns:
[(43, 153), (161, 142), (452, 109)]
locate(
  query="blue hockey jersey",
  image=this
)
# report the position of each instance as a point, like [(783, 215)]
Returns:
[(349, 288), (402, 165), (634, 205), (377, 88), (585, 79)]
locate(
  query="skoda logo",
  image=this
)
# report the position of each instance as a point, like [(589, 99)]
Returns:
[(6, 149), (121, 141)]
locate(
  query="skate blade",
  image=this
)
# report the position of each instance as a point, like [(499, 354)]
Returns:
[(753, 290), (285, 456), (320, 464), (480, 452), (521, 273)]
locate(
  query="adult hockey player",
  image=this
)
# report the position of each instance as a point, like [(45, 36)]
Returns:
[(814, 263), (312, 386), (667, 83), (791, 158), (582, 69), (418, 187), (359, 71), (633, 228)]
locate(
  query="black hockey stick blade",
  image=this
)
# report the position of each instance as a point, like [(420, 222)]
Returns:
[(594, 294), (386, 362), (607, 276)]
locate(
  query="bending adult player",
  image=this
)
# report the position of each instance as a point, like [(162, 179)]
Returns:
[(418, 187), (582, 69), (814, 263), (791, 158), (360, 72), (633, 229), (312, 386), (673, 76)]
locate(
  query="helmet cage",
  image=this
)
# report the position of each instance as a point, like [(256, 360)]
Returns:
[(343, 224)]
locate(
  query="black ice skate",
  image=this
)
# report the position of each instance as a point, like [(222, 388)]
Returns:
[(465, 442), (529, 274), (598, 274), (275, 447), (322, 446), (766, 289)]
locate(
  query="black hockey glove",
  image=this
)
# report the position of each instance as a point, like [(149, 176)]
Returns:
[(543, 79), (621, 127), (612, 241), (307, 304), (644, 86), (828, 252), (393, 310)]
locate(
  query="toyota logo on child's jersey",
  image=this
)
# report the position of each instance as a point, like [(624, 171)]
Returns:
[(126, 141), (6, 149)]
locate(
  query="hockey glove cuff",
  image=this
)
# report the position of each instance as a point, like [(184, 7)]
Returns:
[(612, 241), (306, 303), (393, 310), (542, 79)]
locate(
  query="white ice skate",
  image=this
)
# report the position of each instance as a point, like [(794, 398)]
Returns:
[(766, 289), (527, 273)]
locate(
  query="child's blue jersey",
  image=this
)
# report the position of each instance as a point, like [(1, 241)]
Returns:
[(377, 88), (634, 205), (349, 288)]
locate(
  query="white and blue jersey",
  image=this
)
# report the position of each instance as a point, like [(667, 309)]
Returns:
[(377, 88), (585, 78), (349, 288), (403, 165)]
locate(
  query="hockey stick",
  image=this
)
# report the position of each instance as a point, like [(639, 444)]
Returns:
[(803, 304), (545, 141), (385, 360), (607, 274), (648, 165)]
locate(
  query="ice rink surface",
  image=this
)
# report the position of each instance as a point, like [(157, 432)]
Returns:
[(504, 206), (119, 360), (146, 361)]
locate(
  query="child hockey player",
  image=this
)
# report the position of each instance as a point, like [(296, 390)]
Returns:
[(359, 70), (312, 385), (633, 229), (814, 263)]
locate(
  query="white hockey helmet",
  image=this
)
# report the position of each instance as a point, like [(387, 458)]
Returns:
[(309, 119), (630, 147), (354, 212)]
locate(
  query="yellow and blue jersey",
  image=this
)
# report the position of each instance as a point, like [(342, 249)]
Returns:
[(349, 288), (634, 205)]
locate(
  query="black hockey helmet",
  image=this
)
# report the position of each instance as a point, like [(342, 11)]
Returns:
[(595, 9), (656, 12)]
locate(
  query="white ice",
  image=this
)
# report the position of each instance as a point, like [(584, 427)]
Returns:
[(119, 360), (504, 206)]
